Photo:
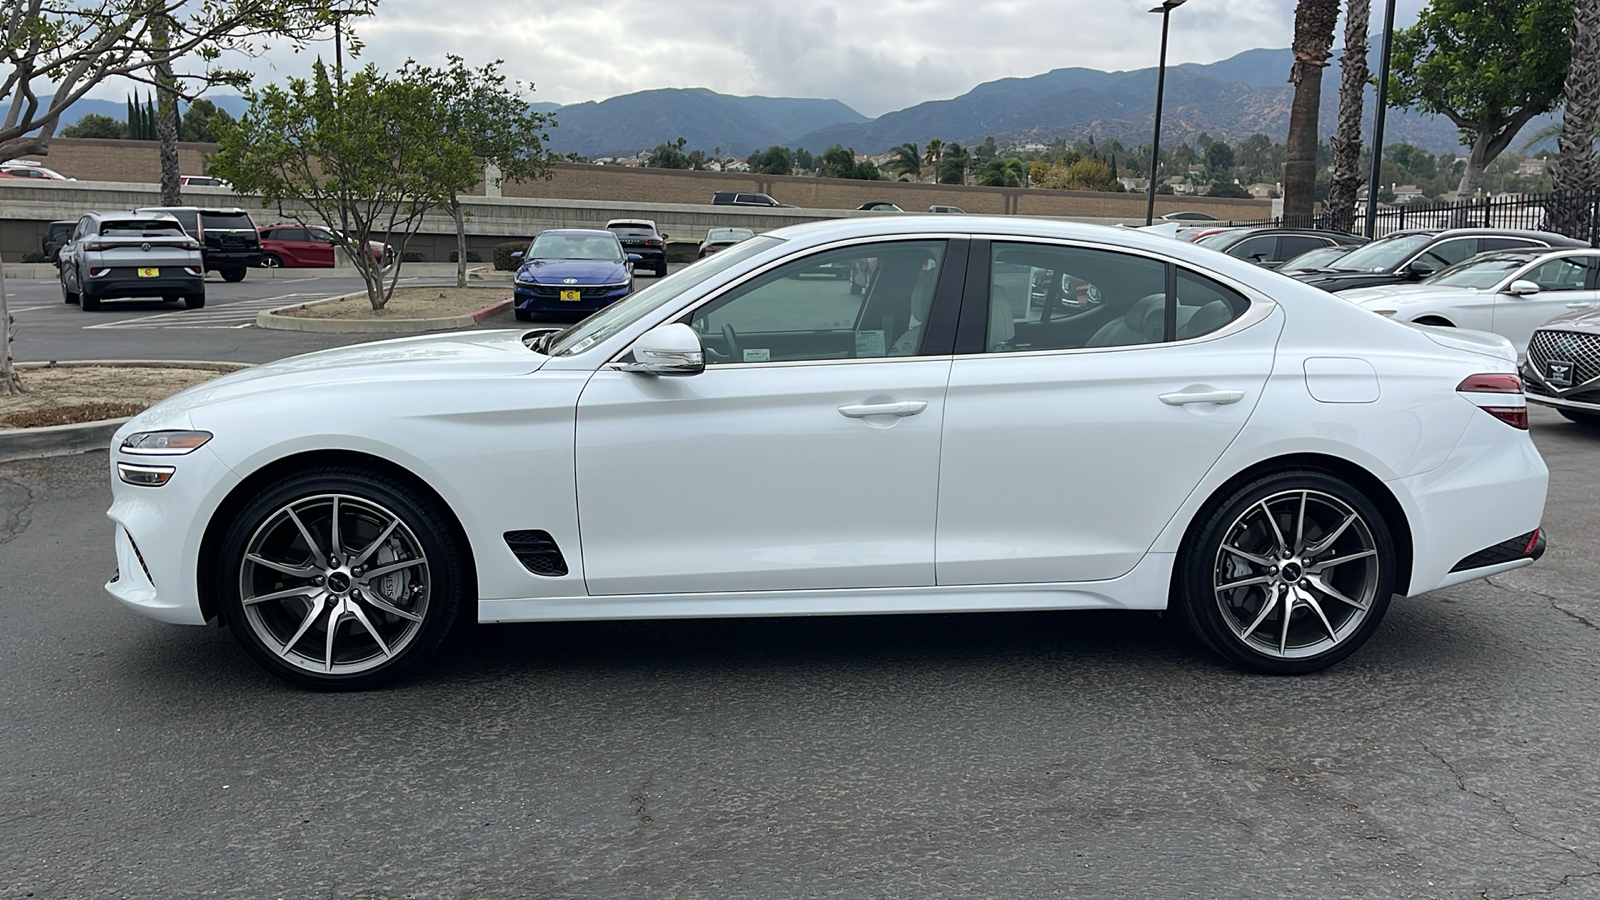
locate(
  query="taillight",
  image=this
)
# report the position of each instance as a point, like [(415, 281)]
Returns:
[(96, 246), (652, 243), (1499, 394)]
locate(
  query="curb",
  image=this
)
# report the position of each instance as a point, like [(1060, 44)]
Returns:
[(81, 437), (271, 319)]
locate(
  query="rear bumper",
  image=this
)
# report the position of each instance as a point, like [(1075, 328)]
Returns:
[(127, 283), (224, 259)]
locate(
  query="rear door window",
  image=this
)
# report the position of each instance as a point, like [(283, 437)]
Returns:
[(1292, 245)]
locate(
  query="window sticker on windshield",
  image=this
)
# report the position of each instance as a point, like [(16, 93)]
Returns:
[(869, 343), (761, 355)]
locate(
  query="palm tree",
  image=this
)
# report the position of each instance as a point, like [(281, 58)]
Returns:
[(934, 154), (953, 165), (1347, 140), (1314, 22), (1575, 169), (907, 161)]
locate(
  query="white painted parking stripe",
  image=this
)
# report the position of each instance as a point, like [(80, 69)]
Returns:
[(241, 314)]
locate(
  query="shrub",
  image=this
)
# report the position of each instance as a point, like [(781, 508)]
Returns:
[(411, 256), (472, 256), (34, 256), (503, 251)]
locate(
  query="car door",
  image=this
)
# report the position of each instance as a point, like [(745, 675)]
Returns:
[(1070, 443), (1565, 283), (804, 456), (71, 263), (319, 248)]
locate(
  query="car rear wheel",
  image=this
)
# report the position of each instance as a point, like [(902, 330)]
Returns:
[(271, 261), (341, 579), (1289, 574), (194, 301), (232, 273), (1592, 420), (66, 295), (87, 303)]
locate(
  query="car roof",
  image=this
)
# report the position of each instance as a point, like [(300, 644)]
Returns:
[(642, 223), (1487, 232), (225, 210), (119, 215), (590, 232)]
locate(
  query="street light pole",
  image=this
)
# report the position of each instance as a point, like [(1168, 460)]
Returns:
[(1377, 120), (1165, 9)]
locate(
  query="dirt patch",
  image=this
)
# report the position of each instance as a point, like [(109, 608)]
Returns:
[(70, 394), (407, 303)]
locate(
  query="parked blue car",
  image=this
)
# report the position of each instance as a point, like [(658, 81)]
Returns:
[(571, 270)]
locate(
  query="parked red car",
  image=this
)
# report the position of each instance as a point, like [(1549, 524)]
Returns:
[(308, 247)]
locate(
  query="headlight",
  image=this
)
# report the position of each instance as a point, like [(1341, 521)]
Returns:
[(164, 443)]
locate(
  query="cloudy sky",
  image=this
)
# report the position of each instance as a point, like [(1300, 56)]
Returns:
[(875, 56)]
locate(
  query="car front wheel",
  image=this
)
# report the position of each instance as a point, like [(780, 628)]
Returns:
[(341, 579), (1289, 574)]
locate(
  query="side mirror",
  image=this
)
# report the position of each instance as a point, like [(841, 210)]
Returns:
[(1417, 269), (667, 350), (516, 256), (1522, 287), (634, 257), (664, 235)]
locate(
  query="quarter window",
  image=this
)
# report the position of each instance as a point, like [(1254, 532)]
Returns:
[(861, 302), (1256, 249), (1045, 297), (1292, 245)]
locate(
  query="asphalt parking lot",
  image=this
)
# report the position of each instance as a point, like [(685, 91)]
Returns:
[(1090, 755)]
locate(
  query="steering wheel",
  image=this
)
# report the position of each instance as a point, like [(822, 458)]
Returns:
[(732, 340)]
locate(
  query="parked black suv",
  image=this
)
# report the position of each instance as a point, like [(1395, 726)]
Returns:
[(227, 237), (1416, 253), (1272, 247), (745, 198), (639, 237), (56, 236)]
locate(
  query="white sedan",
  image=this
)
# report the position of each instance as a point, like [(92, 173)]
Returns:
[(750, 437), (1508, 292)]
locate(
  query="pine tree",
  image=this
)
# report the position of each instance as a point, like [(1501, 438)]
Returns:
[(150, 117)]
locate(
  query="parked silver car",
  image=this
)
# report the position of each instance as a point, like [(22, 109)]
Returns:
[(127, 254), (1562, 368)]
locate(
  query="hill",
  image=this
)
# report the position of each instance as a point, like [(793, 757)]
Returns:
[(705, 119)]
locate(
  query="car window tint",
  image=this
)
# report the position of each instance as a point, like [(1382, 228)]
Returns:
[(292, 234), (141, 228), (1560, 275), (1507, 243), (227, 221), (1448, 253), (1044, 297), (1292, 245), (1204, 305), (1256, 249), (862, 302)]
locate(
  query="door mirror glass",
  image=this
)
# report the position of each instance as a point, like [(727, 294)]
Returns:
[(632, 257), (1522, 287), (672, 349), (516, 256), (1418, 269)]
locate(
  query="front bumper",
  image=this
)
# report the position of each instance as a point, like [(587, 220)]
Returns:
[(547, 298), (125, 282), (1583, 397)]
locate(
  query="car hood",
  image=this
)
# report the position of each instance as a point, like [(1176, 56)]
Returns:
[(470, 354), (1584, 320), (583, 271), (1393, 293), (1342, 281)]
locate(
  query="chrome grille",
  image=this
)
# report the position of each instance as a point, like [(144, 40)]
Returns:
[(1582, 350)]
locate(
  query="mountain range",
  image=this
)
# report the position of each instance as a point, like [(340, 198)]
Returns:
[(1231, 100)]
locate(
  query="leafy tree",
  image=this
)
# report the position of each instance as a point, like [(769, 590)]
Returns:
[(953, 166), (1228, 189), (1489, 66), (907, 161), (836, 162), (1575, 169), (1346, 143), (803, 160), (71, 48), (1219, 158), (95, 125), (200, 123), (866, 170), (485, 118), (1254, 158), (774, 160), (1314, 22), (986, 150), (368, 157), (1082, 175), (1007, 172), (668, 156)]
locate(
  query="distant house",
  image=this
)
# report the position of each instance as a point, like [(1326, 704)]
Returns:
[(735, 165), (1179, 185), (1405, 193), (1263, 191), (1532, 167)]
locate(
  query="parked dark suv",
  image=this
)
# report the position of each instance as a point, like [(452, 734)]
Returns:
[(745, 198), (640, 238), (227, 237), (1414, 254), (56, 235)]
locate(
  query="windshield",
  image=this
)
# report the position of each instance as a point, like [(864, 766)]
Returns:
[(1383, 255), (1478, 273), (1314, 259), (575, 246), (613, 319), (226, 221), (140, 228)]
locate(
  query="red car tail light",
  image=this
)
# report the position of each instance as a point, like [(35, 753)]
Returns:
[(1492, 391), (652, 243)]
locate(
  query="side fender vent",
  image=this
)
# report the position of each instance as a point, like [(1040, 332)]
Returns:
[(538, 552)]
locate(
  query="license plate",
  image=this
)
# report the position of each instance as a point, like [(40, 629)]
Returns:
[(571, 295), (149, 273), (1559, 374)]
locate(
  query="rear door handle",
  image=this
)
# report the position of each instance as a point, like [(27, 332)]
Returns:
[(1184, 398), (898, 408)]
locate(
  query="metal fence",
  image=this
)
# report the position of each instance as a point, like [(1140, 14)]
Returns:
[(1575, 215)]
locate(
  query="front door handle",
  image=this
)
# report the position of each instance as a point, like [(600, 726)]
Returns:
[(1580, 305), (900, 408), (1184, 398)]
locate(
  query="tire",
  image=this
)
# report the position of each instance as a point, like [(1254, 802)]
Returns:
[(88, 303), (194, 301), (523, 315), (233, 273), (66, 295), (661, 269), (383, 629), (269, 261), (1233, 599), (1587, 419)]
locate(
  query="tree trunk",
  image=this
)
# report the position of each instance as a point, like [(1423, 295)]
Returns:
[(1347, 141), (1314, 22), (10, 382), (166, 117), (1575, 171), (461, 241)]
